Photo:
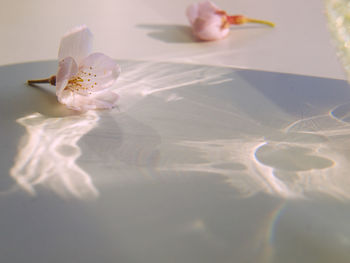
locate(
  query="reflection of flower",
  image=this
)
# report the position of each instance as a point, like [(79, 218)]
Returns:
[(210, 23), (84, 80), (49, 152)]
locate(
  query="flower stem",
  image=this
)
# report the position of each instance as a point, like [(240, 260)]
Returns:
[(258, 21), (51, 80), (239, 20)]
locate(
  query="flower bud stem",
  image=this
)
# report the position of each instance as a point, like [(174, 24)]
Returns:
[(51, 80), (239, 20), (258, 21)]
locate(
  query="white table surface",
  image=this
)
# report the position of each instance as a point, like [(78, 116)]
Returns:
[(158, 30)]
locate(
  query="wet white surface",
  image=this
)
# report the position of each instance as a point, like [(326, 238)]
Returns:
[(198, 164)]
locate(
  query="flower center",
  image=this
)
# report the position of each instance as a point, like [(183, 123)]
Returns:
[(83, 82)]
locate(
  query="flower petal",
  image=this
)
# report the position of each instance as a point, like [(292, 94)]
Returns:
[(77, 44), (99, 72), (67, 68), (78, 102), (210, 28), (207, 8), (105, 100), (207, 21), (201, 10), (192, 13)]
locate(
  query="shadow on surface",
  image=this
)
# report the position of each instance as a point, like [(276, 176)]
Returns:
[(18, 98), (181, 34), (169, 33)]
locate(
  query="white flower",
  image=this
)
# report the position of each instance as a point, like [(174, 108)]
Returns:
[(84, 80), (206, 21)]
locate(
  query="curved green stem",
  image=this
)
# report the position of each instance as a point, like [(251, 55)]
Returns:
[(240, 19), (258, 21)]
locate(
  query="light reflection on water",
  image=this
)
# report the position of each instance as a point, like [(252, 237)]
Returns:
[(48, 153), (290, 159), (142, 79), (293, 163), (206, 124), (198, 164)]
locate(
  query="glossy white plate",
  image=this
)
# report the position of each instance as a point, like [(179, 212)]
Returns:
[(197, 164)]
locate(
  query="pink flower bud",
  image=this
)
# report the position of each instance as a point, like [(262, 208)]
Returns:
[(208, 22)]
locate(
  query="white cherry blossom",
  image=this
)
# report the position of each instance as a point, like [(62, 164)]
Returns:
[(84, 80)]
